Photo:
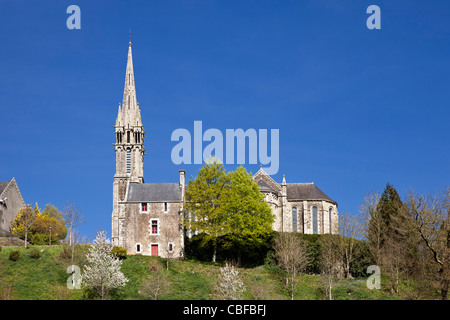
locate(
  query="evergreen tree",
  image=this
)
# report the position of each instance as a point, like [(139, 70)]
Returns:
[(391, 212), (397, 243)]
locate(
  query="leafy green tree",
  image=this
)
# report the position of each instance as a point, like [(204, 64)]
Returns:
[(249, 218), (204, 208)]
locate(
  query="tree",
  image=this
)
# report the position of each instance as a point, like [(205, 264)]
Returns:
[(204, 208), (374, 227), (170, 235), (34, 226), (24, 222), (73, 218), (292, 255), (156, 285), (49, 218), (249, 218), (102, 272), (349, 231), (431, 220), (229, 286), (330, 261)]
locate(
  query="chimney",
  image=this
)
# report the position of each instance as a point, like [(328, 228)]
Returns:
[(182, 181), (182, 184)]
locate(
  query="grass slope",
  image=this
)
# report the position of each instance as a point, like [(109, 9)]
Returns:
[(45, 278)]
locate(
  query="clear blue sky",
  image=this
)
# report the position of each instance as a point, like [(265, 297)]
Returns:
[(356, 108)]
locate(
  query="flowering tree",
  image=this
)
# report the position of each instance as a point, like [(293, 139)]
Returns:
[(230, 286), (102, 273)]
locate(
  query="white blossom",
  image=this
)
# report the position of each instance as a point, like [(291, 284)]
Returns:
[(102, 272), (230, 286)]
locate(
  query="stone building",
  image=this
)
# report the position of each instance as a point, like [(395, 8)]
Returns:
[(11, 202), (146, 217)]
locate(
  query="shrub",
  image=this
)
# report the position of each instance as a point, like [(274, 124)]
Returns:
[(119, 252), (14, 255), (35, 254)]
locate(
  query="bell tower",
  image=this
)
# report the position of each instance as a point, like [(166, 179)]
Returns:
[(129, 148)]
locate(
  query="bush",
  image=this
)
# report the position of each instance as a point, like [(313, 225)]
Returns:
[(119, 252), (14, 255), (35, 254)]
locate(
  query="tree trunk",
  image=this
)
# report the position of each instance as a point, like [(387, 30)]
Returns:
[(26, 239), (292, 286), (214, 252), (444, 285)]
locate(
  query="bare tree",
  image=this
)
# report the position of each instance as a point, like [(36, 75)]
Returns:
[(73, 218), (431, 220), (330, 261), (156, 285), (350, 229), (170, 235), (292, 256), (374, 227)]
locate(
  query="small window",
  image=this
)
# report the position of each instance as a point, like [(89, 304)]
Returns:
[(138, 248), (144, 207), (165, 206), (154, 226), (170, 247), (128, 137)]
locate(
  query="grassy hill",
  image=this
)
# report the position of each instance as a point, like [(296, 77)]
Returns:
[(45, 278)]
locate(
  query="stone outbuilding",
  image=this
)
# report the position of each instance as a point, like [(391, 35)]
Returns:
[(11, 202)]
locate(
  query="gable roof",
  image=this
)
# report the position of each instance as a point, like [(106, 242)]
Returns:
[(3, 185), (305, 191), (263, 186), (154, 192), (269, 184)]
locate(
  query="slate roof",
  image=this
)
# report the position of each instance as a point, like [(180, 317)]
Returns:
[(154, 192), (305, 191)]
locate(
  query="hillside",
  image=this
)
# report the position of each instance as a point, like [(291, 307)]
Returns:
[(45, 278)]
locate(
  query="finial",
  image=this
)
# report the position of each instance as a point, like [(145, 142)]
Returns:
[(130, 38)]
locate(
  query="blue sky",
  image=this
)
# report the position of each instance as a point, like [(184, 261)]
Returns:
[(356, 108)]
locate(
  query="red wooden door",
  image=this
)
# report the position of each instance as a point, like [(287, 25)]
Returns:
[(154, 250)]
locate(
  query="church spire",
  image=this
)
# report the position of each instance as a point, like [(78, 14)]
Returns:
[(129, 130)]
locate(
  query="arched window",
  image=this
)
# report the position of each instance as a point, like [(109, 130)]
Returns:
[(128, 137), (315, 223), (330, 213), (128, 160), (294, 219)]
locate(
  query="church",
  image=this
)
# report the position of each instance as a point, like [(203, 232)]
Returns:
[(147, 217)]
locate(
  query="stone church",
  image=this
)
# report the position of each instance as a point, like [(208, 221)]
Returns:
[(146, 217)]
